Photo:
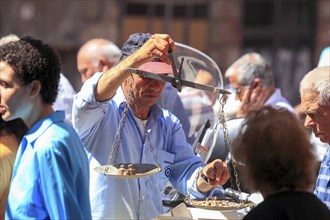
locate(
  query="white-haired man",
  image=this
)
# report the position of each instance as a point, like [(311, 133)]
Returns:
[(315, 103)]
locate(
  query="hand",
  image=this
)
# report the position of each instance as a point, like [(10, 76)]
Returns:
[(253, 98), (216, 172), (157, 46)]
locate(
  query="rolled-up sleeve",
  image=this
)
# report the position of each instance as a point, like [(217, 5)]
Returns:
[(86, 111)]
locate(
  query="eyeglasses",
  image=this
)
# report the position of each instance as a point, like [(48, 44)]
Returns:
[(238, 91)]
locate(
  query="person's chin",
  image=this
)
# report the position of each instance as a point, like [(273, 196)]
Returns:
[(4, 115), (150, 102)]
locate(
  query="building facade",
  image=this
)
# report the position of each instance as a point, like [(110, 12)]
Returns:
[(290, 33)]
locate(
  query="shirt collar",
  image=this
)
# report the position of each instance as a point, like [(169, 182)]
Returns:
[(41, 126), (274, 97)]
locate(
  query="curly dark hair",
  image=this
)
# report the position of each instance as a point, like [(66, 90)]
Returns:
[(276, 152), (31, 59)]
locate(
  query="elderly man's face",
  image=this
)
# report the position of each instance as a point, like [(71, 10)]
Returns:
[(317, 116), (146, 91), (86, 67)]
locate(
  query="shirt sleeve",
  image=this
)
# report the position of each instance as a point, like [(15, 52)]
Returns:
[(186, 165), (64, 98), (86, 111)]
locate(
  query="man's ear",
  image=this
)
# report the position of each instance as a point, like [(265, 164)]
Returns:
[(255, 83), (35, 87), (104, 64)]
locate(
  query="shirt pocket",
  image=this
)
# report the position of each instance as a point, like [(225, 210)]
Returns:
[(166, 161)]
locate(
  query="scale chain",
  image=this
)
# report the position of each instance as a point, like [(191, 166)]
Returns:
[(144, 127), (117, 141), (221, 120), (115, 145), (221, 117), (147, 137)]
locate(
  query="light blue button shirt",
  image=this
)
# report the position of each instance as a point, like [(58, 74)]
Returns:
[(276, 99), (111, 198), (50, 177)]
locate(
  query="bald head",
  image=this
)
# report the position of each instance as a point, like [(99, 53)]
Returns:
[(96, 55)]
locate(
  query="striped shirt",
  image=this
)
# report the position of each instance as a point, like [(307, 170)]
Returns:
[(322, 189)]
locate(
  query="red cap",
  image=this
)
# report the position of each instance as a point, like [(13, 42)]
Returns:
[(157, 67)]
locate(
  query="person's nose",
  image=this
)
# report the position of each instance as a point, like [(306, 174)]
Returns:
[(156, 84), (309, 123)]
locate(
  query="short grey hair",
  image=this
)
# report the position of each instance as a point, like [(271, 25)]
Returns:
[(251, 66), (317, 82)]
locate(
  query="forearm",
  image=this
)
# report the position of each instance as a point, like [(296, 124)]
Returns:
[(110, 80), (213, 174)]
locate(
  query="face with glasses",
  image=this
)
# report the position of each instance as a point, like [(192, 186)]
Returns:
[(251, 97), (238, 88)]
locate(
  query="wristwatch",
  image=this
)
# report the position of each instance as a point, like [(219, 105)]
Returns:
[(204, 178)]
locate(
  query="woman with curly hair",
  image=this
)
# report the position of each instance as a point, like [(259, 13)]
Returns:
[(277, 160), (50, 178)]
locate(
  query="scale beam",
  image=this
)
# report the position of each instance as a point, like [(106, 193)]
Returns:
[(173, 81)]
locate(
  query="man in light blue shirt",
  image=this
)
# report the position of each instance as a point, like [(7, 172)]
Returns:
[(150, 135), (50, 178), (99, 55)]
